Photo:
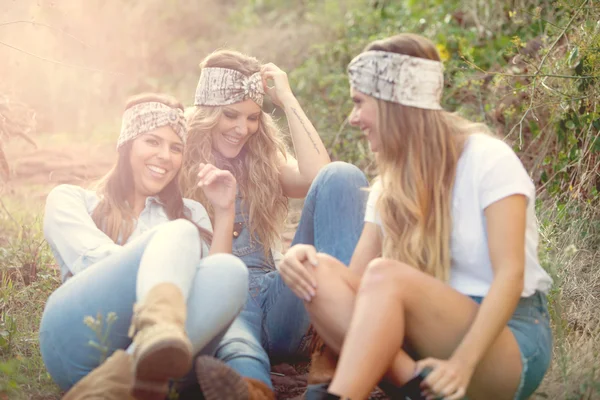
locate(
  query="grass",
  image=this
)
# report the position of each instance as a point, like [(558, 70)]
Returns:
[(570, 251), (26, 280)]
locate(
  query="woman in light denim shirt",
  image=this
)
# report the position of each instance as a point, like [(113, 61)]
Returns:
[(229, 128), (136, 266), (458, 305)]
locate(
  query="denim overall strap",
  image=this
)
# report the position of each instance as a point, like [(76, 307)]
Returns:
[(248, 248)]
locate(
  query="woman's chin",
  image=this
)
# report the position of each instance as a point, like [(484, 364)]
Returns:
[(229, 152), (374, 147)]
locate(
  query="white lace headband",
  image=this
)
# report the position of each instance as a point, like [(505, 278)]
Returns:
[(222, 86), (145, 117), (402, 79)]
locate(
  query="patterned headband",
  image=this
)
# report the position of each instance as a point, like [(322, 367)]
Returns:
[(223, 86), (402, 79), (145, 117)]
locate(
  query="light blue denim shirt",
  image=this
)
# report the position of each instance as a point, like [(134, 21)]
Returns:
[(76, 241)]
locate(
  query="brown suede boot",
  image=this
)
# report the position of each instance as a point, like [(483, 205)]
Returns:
[(162, 348), (220, 382), (112, 380), (323, 361), (258, 390)]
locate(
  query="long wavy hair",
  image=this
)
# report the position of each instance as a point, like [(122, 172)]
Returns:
[(256, 168), (114, 215), (417, 163)]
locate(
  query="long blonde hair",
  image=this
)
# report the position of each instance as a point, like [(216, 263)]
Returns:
[(114, 215), (417, 163), (256, 168)]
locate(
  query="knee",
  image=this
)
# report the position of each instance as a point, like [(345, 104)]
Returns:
[(333, 278), (232, 272), (341, 174), (389, 276), (327, 269), (182, 229)]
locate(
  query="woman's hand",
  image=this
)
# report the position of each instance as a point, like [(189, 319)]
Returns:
[(296, 270), (448, 379), (281, 90), (219, 187)]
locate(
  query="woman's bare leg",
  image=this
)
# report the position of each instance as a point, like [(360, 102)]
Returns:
[(396, 301), (332, 308)]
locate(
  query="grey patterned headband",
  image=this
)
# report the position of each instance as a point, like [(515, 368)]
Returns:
[(402, 79), (145, 117), (223, 86)]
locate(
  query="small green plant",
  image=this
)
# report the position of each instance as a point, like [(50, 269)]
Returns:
[(101, 328), (10, 378), (8, 331)]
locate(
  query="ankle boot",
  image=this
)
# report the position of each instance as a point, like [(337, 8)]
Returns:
[(112, 380), (258, 390), (218, 381), (162, 348), (323, 362), (411, 390)]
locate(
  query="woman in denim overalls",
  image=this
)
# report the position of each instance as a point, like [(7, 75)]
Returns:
[(229, 128)]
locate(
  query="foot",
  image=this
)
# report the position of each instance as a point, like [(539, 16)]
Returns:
[(220, 382), (112, 380)]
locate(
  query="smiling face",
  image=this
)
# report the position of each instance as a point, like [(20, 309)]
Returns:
[(236, 124), (155, 160), (364, 116)]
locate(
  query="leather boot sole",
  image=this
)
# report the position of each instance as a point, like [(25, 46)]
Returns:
[(220, 382), (157, 364)]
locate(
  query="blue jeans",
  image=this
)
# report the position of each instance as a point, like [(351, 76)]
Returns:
[(215, 288), (274, 321), (530, 324)]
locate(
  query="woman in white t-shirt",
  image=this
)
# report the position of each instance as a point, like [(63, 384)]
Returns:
[(444, 296)]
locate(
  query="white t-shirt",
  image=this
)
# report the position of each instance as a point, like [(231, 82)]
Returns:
[(487, 171)]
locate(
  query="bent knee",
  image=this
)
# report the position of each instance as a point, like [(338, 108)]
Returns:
[(328, 267), (340, 168), (383, 273), (342, 172), (332, 275), (231, 271), (181, 228), (233, 265)]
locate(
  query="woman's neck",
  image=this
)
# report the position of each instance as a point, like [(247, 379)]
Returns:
[(233, 165), (138, 203)]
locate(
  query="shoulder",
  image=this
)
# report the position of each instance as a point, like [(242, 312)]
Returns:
[(67, 192), (485, 153), (497, 170), (70, 199), (484, 145), (486, 148)]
